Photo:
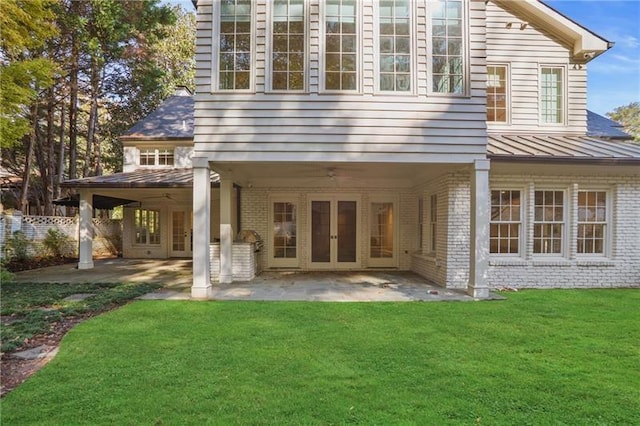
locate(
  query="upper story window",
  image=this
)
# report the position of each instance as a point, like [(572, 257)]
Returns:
[(395, 45), (235, 57), (288, 45), (447, 46), (497, 93), (156, 157), (341, 45), (552, 95)]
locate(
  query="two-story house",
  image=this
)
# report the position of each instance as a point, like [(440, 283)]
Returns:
[(446, 137)]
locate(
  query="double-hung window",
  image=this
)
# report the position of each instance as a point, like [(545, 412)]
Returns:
[(395, 45), (548, 222), (288, 45), (447, 46), (146, 226), (506, 222), (497, 109), (592, 222), (235, 41), (552, 95), (341, 45)]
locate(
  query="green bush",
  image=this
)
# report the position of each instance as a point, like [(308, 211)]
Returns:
[(5, 276), (57, 242), (18, 246)]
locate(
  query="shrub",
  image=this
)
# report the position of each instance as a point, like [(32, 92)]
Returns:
[(5, 276), (18, 246), (57, 242)]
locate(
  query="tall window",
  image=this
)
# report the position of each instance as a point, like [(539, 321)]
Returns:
[(592, 222), (551, 95), (505, 222), (235, 45), (284, 230), (288, 45), (147, 226), (497, 93), (156, 157), (447, 46), (395, 45), (340, 63), (381, 230), (548, 222), (420, 221), (433, 224)]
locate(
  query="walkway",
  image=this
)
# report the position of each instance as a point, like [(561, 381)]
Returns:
[(175, 275)]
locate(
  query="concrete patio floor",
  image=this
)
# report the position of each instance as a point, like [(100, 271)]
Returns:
[(175, 276)]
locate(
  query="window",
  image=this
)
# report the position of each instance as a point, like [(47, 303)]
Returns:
[(235, 45), (288, 45), (592, 222), (382, 225), (548, 225), (447, 48), (156, 157), (505, 222), (340, 59), (395, 45), (433, 223), (551, 95), (420, 221), (497, 93), (284, 230), (147, 226)]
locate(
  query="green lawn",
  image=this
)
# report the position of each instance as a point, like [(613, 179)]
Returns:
[(540, 357)]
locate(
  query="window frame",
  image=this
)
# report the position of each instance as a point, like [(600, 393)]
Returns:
[(565, 217), (269, 51), (433, 223), (147, 235), (322, 52), (607, 223), (413, 53), (420, 222), (465, 53), (564, 95), (384, 261), (215, 56), (522, 222), (507, 94), (157, 151), (283, 262)]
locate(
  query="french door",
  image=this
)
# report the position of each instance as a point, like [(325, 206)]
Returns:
[(334, 232), (181, 244)]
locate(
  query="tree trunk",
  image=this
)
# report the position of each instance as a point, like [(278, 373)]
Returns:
[(73, 100), (93, 116), (26, 176), (61, 149)]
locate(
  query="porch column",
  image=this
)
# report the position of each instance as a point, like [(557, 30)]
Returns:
[(85, 230), (201, 288), (479, 235), (226, 229)]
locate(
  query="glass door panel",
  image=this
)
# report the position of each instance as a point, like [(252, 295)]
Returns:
[(382, 234), (321, 231), (347, 231), (181, 244)]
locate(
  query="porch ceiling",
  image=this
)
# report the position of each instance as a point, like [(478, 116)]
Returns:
[(333, 174)]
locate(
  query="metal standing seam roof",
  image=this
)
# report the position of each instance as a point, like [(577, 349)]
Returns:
[(142, 178), (561, 148)]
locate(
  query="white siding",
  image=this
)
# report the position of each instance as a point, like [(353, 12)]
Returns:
[(362, 127), (525, 50)]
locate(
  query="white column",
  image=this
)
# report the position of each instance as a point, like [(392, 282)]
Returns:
[(201, 288), (85, 230), (226, 229), (479, 247)]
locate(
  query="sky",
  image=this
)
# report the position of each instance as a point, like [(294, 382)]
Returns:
[(614, 76)]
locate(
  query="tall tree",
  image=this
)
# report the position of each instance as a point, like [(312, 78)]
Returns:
[(629, 117)]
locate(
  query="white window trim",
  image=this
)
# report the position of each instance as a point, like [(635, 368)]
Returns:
[(321, 52), (433, 245), (524, 226), (507, 95), (156, 158), (565, 95), (565, 224), (271, 259), (268, 83), (134, 228), (608, 228), (413, 54), (392, 261), (466, 92), (215, 46)]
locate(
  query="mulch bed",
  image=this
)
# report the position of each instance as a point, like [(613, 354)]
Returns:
[(14, 265)]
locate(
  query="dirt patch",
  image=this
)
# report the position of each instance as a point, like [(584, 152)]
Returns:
[(15, 371)]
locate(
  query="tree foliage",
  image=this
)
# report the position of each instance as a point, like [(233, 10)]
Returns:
[(75, 76), (629, 117)]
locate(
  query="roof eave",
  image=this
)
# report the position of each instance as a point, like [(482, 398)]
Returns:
[(563, 159)]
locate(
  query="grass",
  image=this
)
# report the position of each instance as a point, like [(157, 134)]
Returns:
[(540, 357), (33, 309)]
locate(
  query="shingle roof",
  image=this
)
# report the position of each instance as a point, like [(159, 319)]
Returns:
[(142, 178), (602, 127), (561, 148), (173, 119)]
